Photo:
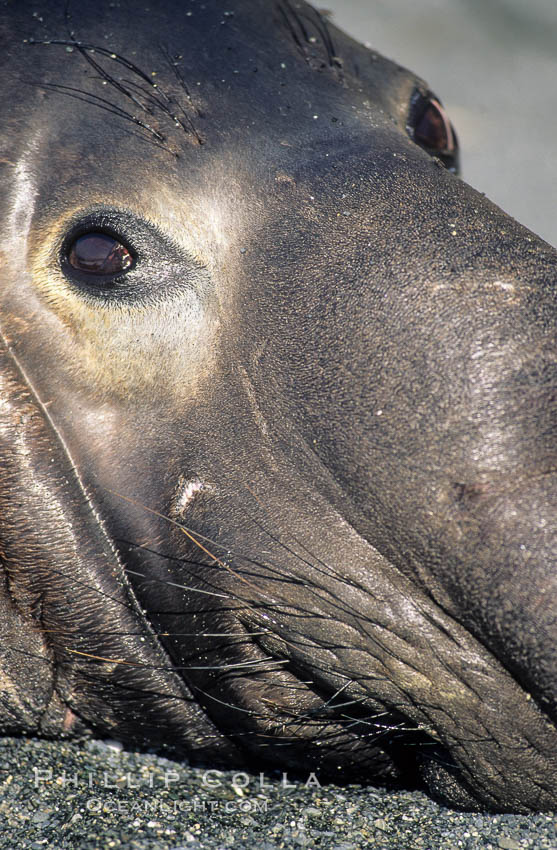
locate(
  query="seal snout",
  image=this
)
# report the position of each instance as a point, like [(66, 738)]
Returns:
[(514, 543)]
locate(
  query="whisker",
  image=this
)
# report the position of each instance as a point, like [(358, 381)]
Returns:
[(154, 93), (108, 106), (168, 583), (181, 82)]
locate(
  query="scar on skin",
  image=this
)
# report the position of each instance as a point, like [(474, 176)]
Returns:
[(186, 492), (505, 285)]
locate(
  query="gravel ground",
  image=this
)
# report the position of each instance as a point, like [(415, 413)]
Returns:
[(86, 797)]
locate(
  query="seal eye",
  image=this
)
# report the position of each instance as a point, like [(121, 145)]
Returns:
[(431, 129), (99, 254)]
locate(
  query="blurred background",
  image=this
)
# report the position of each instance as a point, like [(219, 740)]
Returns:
[(493, 63)]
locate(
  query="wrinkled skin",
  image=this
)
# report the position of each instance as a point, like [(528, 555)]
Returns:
[(284, 492)]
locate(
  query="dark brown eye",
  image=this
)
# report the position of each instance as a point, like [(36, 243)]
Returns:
[(99, 254), (432, 130)]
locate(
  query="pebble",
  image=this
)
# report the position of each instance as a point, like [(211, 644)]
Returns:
[(143, 813)]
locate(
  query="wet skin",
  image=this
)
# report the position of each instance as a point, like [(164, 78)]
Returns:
[(278, 408)]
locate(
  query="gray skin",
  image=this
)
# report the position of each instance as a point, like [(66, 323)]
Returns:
[(284, 492)]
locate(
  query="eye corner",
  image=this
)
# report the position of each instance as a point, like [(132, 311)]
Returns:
[(429, 126)]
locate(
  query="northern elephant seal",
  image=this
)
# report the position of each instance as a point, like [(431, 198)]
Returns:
[(278, 407)]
